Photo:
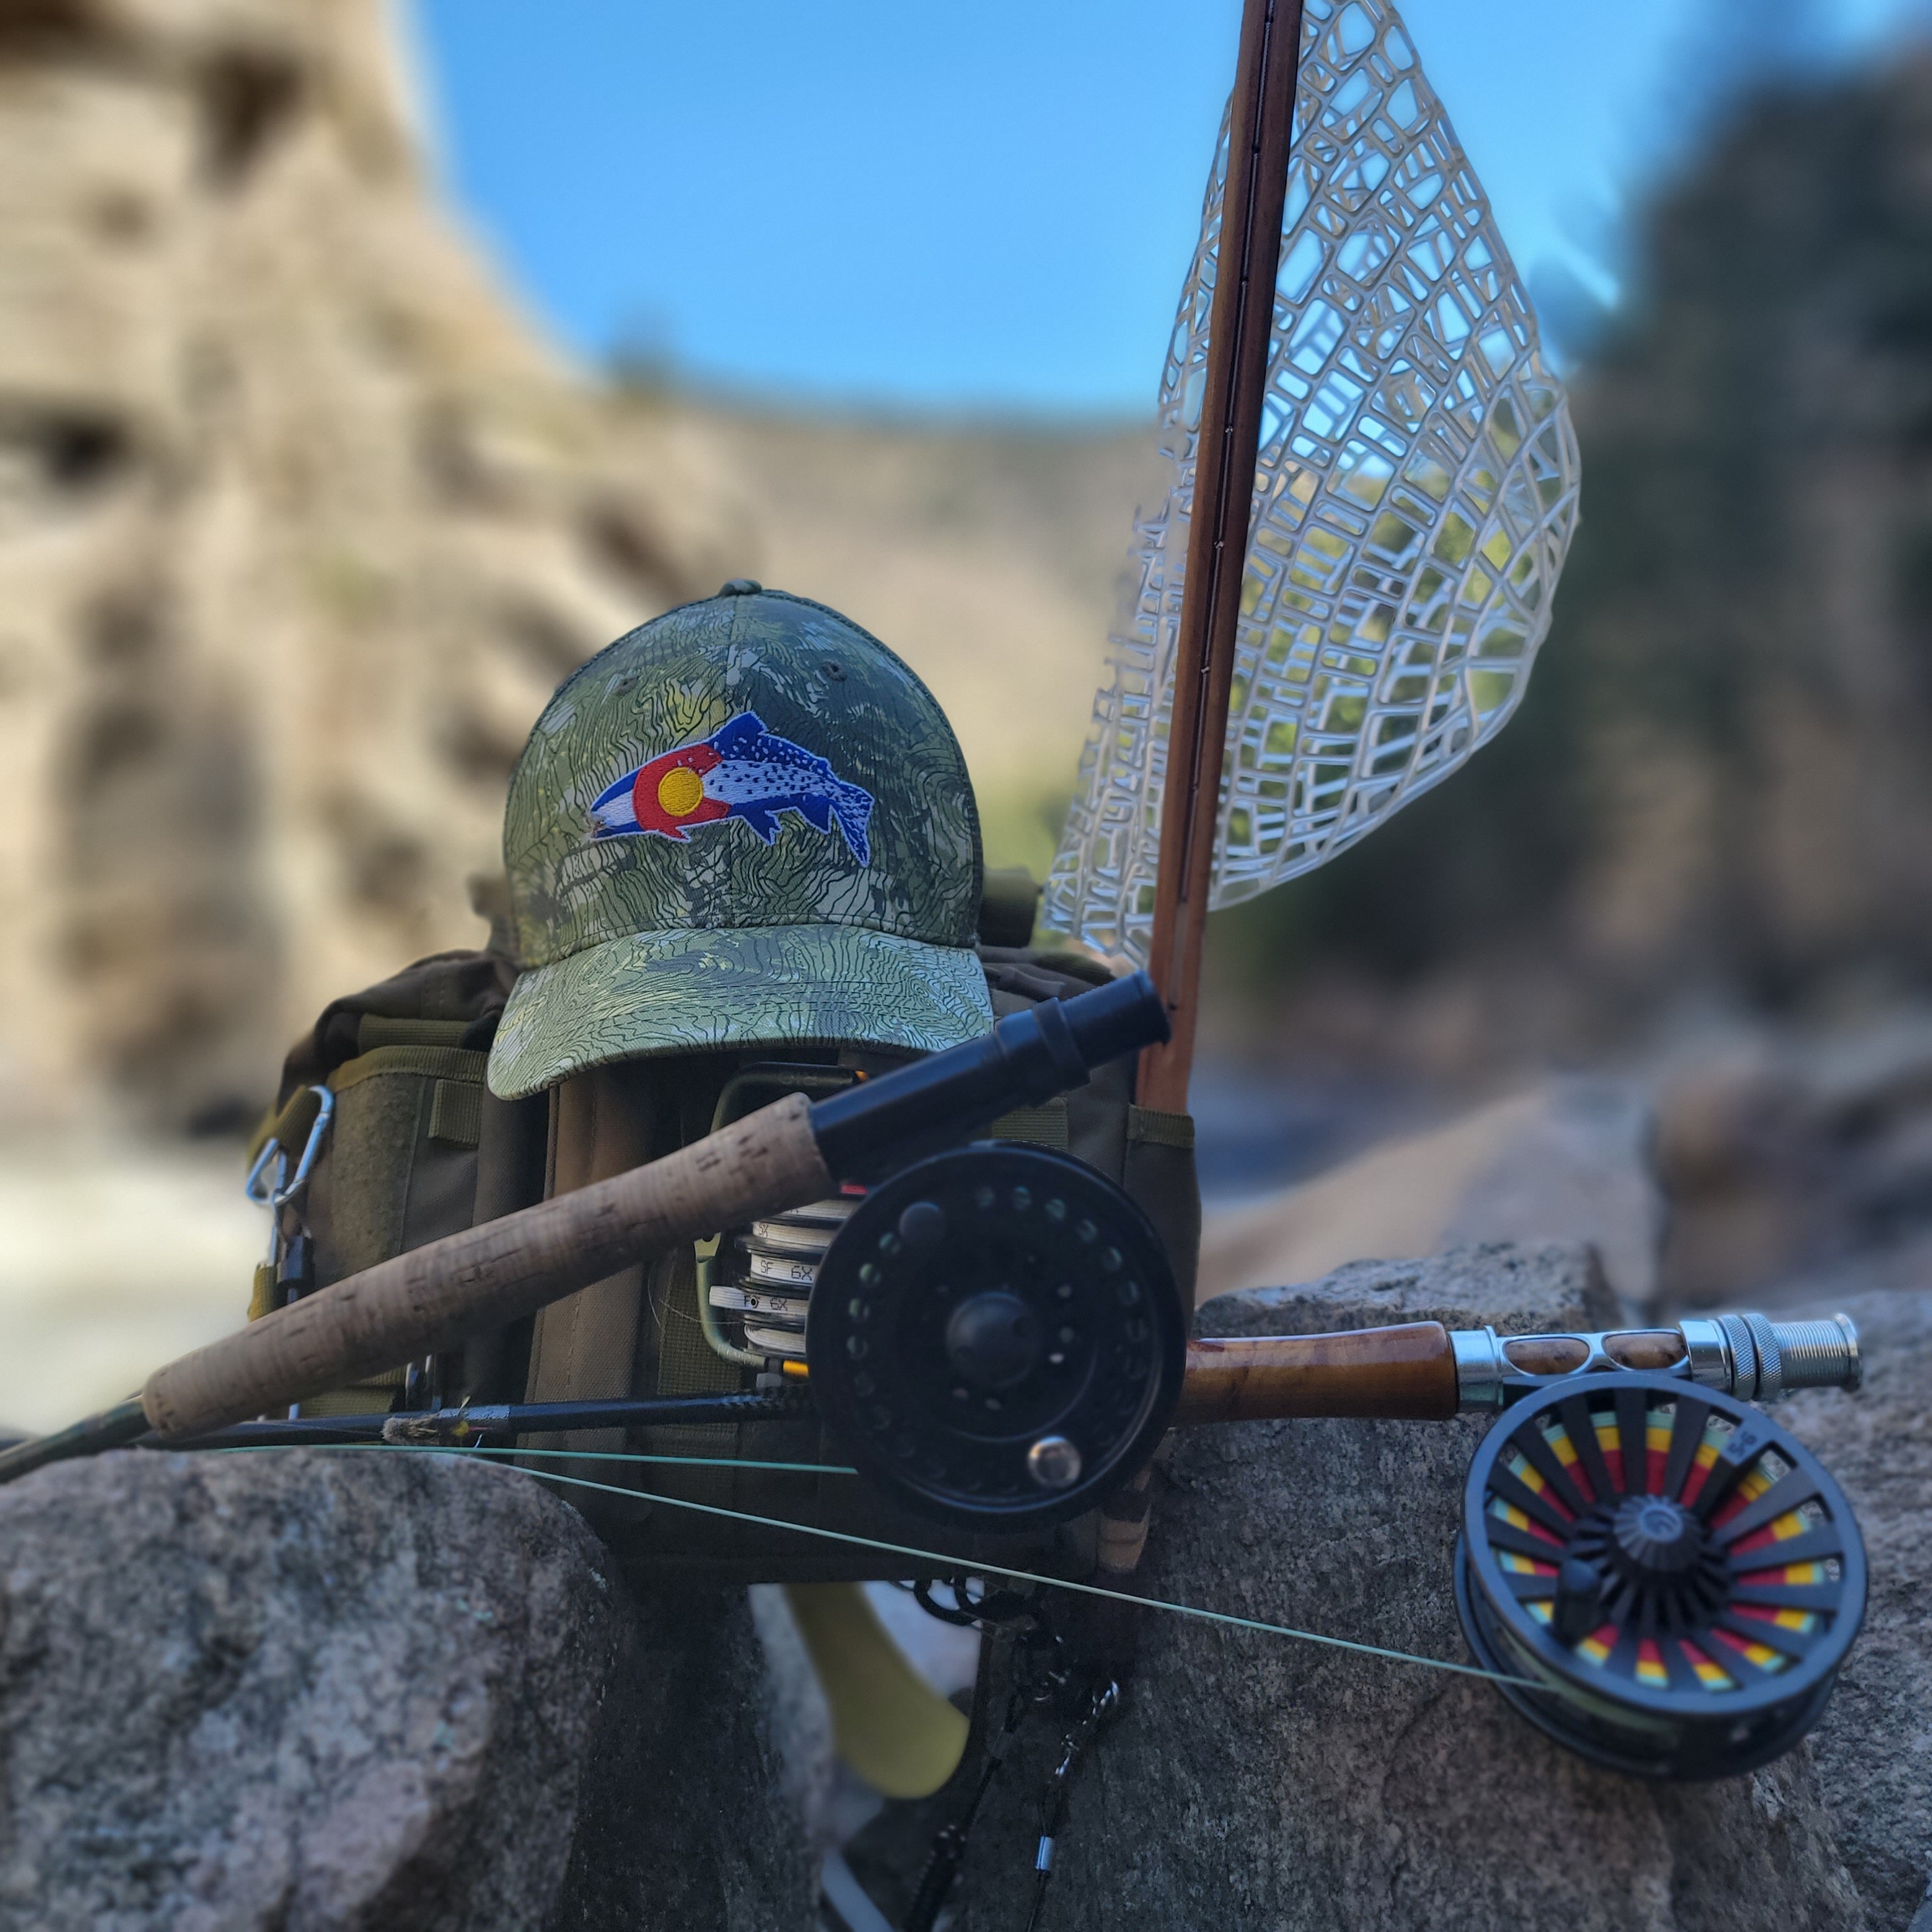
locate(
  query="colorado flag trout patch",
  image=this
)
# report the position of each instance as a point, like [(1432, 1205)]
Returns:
[(742, 771)]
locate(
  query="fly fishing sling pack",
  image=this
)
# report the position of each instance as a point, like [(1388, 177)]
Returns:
[(386, 1137)]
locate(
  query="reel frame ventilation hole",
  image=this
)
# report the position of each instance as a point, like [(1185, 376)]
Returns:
[(1678, 1574), (996, 1337)]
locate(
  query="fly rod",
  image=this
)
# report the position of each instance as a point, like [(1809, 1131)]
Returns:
[(793, 1151)]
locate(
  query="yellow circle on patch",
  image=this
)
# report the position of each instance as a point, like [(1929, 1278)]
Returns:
[(680, 791)]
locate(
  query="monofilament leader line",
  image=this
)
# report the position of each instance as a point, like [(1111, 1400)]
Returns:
[(948, 1562), (1050, 1583)]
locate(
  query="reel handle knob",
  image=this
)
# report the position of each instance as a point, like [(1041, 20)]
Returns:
[(1579, 1599)]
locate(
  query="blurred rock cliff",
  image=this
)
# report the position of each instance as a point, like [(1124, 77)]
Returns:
[(300, 522)]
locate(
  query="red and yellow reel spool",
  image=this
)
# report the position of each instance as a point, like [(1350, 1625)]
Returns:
[(1677, 1575)]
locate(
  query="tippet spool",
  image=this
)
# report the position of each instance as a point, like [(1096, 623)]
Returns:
[(996, 1337), (1677, 1575)]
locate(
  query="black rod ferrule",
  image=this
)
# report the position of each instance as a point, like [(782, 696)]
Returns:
[(1028, 1058)]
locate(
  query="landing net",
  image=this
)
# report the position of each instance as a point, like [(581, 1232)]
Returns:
[(1415, 496)]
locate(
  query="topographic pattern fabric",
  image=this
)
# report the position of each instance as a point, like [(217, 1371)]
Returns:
[(796, 985), (648, 943), (1415, 493)]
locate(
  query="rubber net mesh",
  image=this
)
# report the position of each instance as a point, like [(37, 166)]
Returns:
[(1415, 496)]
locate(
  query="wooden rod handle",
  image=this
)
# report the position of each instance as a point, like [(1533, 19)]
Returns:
[(426, 1300), (1406, 1373)]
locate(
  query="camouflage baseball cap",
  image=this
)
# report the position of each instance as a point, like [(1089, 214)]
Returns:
[(745, 823)]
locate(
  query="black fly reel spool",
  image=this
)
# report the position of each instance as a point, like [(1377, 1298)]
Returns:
[(1675, 1573), (996, 1337)]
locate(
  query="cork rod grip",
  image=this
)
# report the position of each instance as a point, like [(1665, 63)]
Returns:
[(427, 1299), (1404, 1373)]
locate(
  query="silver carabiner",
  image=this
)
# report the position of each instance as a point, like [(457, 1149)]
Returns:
[(325, 1112), (286, 1186), (254, 1187)]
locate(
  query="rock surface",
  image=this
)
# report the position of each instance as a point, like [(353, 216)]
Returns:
[(1567, 1161), (704, 1804), (312, 1691), (1519, 1291), (1874, 1748), (307, 1692), (1785, 1150), (1256, 1783)]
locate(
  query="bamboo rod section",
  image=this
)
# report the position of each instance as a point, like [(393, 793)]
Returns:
[(1260, 134), (1406, 1373)]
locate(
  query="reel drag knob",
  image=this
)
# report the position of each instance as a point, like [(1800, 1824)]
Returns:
[(996, 1338), (1676, 1574)]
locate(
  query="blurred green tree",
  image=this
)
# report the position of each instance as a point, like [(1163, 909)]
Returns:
[(1722, 773)]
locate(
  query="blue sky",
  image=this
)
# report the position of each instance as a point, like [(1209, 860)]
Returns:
[(990, 207)]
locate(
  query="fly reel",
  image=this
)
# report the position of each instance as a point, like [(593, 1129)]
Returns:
[(996, 1337), (1677, 1574)]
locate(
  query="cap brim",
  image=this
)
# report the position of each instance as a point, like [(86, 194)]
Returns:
[(774, 985)]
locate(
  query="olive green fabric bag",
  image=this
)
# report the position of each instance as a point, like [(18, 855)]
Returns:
[(418, 1148), (415, 1146)]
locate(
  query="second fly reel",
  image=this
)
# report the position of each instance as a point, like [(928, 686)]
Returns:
[(1674, 1573)]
